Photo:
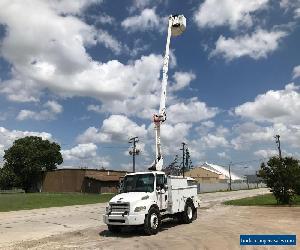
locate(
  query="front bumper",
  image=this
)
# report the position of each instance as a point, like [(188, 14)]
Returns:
[(134, 219)]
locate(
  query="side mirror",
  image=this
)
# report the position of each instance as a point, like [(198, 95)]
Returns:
[(166, 187)]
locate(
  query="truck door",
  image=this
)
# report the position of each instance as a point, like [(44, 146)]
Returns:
[(162, 194)]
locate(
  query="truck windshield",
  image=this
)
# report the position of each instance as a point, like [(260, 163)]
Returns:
[(138, 183)]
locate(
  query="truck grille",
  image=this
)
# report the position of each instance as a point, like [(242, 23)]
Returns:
[(119, 207)]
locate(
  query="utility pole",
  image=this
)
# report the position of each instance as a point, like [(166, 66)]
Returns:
[(183, 155), (134, 151), (277, 138), (229, 170), (247, 178)]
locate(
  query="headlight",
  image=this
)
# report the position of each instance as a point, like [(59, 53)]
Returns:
[(139, 209)]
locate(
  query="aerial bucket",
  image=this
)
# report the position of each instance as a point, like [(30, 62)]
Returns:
[(178, 24)]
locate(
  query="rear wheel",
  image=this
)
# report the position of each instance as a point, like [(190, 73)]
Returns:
[(114, 228), (189, 214), (152, 221)]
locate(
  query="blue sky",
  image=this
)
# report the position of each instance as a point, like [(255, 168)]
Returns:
[(87, 74)]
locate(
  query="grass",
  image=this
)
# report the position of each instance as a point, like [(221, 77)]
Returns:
[(25, 201), (260, 200)]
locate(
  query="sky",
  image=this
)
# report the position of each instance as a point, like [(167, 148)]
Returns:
[(87, 75)]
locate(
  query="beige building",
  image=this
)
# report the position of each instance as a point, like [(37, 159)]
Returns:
[(203, 175), (212, 173), (82, 180)]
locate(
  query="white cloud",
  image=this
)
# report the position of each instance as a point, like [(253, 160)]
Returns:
[(71, 6), (296, 72), (257, 45), (223, 155), (171, 136), (249, 134), (297, 13), (7, 137), (147, 20), (182, 79), (115, 128), (234, 13), (103, 19), (109, 41), (95, 108), (265, 153), (141, 4), (293, 5), (192, 111), (277, 106), (58, 60), (208, 124), (20, 90), (1, 151), (214, 141), (85, 155), (52, 108), (81, 151)]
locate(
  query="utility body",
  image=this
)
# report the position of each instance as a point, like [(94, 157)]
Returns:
[(148, 197)]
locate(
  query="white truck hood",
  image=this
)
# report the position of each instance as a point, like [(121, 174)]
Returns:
[(129, 197)]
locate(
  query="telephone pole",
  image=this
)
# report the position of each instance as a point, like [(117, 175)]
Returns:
[(229, 170), (183, 155), (134, 151), (277, 138)]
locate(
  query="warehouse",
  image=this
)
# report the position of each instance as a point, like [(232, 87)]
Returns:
[(82, 180), (212, 173)]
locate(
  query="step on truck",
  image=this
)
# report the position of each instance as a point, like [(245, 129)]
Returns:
[(146, 198)]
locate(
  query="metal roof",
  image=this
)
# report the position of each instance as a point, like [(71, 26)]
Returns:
[(101, 177), (222, 170)]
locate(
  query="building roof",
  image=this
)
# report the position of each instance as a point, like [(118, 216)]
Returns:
[(62, 168), (222, 170), (211, 170), (101, 177)]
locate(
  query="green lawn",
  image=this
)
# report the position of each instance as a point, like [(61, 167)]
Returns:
[(22, 201), (260, 200)]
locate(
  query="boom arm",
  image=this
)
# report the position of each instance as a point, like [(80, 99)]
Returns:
[(176, 26)]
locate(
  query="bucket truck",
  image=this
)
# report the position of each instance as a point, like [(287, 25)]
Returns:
[(146, 198)]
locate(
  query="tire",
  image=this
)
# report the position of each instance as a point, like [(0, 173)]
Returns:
[(114, 228), (195, 215), (152, 221), (189, 213)]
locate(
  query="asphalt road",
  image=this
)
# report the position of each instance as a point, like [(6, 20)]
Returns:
[(19, 227)]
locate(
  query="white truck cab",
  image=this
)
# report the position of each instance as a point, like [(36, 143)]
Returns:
[(148, 197)]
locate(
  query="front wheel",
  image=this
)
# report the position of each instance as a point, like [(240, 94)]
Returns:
[(152, 221)]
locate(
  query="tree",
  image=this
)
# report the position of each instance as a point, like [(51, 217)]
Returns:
[(7, 178), (282, 176), (173, 168), (188, 161), (28, 157)]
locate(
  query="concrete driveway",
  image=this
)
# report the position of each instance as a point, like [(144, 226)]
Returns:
[(21, 229)]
